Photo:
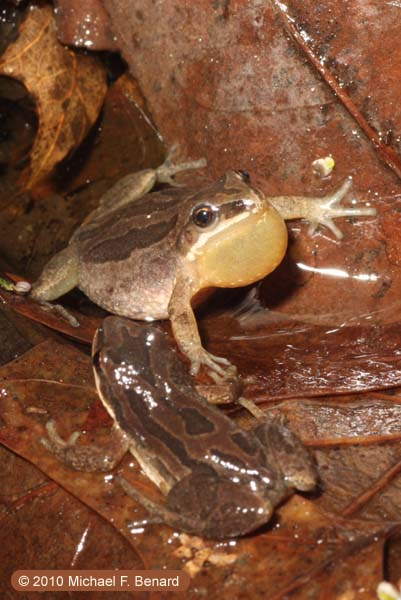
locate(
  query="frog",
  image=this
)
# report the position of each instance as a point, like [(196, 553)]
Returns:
[(149, 255), (218, 479)]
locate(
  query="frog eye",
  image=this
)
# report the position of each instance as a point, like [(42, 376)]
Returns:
[(244, 176), (204, 215)]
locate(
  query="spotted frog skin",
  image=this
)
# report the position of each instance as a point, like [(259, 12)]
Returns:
[(219, 480), (147, 255)]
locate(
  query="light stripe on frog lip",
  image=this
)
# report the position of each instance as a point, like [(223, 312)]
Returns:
[(204, 237)]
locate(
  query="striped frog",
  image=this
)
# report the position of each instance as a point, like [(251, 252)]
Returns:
[(148, 255), (219, 480)]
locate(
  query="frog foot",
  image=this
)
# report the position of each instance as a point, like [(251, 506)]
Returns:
[(63, 312), (81, 457), (251, 407), (165, 172), (217, 372), (324, 210), (54, 443)]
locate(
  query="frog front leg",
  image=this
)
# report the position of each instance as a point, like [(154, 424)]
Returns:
[(85, 458), (186, 333), (319, 211)]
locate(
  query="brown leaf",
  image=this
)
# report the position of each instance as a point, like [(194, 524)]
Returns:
[(51, 318), (359, 419), (45, 526), (335, 47), (68, 88), (127, 141), (276, 556), (234, 87), (84, 24), (227, 82), (290, 358)]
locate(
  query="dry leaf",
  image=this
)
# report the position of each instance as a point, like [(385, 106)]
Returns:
[(68, 88)]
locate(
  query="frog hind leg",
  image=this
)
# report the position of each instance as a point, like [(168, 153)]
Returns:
[(204, 504), (85, 457), (220, 507), (289, 453), (135, 185), (165, 172), (59, 276)]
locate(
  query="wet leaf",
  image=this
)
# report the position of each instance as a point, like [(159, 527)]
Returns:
[(358, 419), (286, 358), (25, 306), (127, 141), (34, 516), (333, 46), (238, 83), (84, 25), (236, 88), (68, 88), (31, 395)]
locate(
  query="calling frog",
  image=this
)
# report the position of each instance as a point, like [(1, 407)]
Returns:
[(148, 255)]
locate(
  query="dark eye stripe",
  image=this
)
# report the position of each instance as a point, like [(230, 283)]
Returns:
[(230, 209)]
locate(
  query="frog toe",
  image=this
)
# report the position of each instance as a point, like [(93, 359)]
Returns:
[(166, 171), (329, 223), (217, 365), (55, 440), (331, 209), (339, 194)]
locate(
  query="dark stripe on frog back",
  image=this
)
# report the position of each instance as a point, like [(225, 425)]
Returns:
[(153, 204), (174, 451), (181, 423), (130, 408), (137, 421), (195, 422), (134, 418), (120, 247)]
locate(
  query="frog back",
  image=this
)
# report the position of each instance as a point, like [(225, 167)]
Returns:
[(128, 258)]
